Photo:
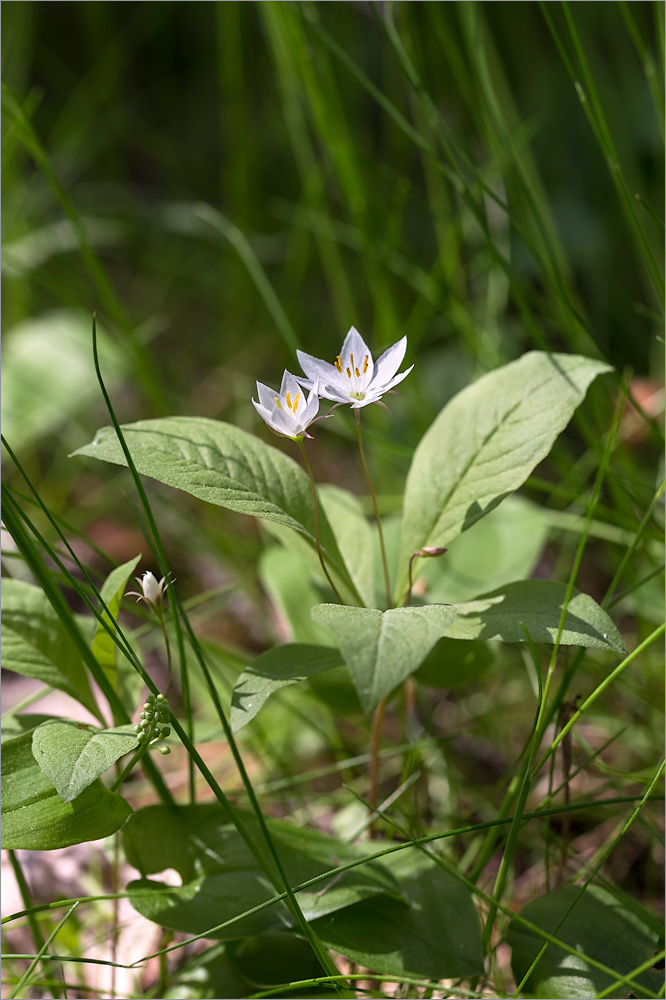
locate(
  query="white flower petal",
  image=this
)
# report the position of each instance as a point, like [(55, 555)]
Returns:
[(396, 379), (387, 365), (315, 369), (266, 395)]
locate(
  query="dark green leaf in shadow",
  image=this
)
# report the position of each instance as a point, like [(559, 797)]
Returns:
[(434, 933), (221, 878), (601, 925), (453, 662)]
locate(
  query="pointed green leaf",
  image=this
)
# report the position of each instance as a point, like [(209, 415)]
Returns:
[(538, 604), (124, 679), (73, 756), (36, 644), (485, 443), (434, 933), (221, 464), (277, 668), (603, 927), (285, 576), (35, 818), (354, 536), (502, 547), (382, 648)]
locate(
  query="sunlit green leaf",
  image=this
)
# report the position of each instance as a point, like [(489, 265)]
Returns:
[(277, 668), (36, 644), (538, 605), (35, 818), (73, 756), (382, 648), (221, 464), (124, 679), (484, 444)]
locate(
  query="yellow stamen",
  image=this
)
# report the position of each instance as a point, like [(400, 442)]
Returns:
[(348, 372), (351, 360), (296, 399), (338, 365), (289, 402), (358, 374), (365, 364), (280, 406)]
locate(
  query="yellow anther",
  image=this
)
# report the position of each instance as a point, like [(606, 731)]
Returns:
[(296, 399), (365, 364), (351, 360), (338, 364), (358, 374), (289, 402), (280, 406), (348, 372)]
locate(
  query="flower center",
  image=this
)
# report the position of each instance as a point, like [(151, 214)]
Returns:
[(357, 395), (290, 405), (351, 369)]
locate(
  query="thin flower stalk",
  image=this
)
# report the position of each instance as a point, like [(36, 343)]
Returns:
[(316, 520)]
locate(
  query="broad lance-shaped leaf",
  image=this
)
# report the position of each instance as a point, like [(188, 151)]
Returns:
[(36, 644), (74, 756), (382, 648), (277, 668), (35, 818), (124, 679), (485, 443), (538, 605), (222, 465)]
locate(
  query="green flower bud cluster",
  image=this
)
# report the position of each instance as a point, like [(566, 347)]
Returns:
[(154, 717)]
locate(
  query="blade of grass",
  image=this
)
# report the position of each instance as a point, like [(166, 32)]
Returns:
[(320, 952)]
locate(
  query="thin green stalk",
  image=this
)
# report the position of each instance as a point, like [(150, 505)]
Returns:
[(293, 904), (525, 786), (607, 681), (378, 519), (545, 709), (600, 861), (26, 896), (160, 615), (632, 547), (12, 515), (161, 556), (375, 743), (41, 953), (315, 504)]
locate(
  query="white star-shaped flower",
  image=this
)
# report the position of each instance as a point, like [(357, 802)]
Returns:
[(354, 377), (287, 413), (152, 589)]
